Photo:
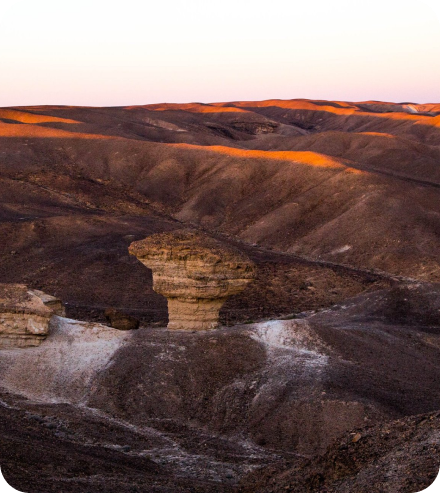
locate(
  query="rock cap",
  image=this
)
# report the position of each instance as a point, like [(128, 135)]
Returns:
[(188, 244)]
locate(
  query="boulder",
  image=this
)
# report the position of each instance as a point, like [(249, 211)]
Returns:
[(196, 273), (120, 321), (55, 304), (25, 315)]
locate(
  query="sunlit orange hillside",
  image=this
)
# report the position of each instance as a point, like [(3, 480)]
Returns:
[(355, 184)]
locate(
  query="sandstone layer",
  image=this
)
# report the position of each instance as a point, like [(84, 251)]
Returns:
[(196, 274), (25, 315)]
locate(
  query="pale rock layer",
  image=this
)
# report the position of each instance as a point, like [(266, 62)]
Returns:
[(25, 315)]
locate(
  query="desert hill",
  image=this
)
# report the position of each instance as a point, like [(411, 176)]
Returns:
[(349, 183), (338, 206)]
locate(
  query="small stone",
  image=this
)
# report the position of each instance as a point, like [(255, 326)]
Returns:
[(357, 437), (120, 321)]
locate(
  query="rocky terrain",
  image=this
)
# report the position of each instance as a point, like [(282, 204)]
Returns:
[(400, 455), (323, 375)]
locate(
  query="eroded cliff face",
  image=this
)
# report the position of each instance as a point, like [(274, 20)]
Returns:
[(196, 274), (25, 315)]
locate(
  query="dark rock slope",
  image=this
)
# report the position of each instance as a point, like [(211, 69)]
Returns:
[(219, 404), (397, 456)]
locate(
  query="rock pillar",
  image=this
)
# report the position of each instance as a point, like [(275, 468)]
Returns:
[(196, 273)]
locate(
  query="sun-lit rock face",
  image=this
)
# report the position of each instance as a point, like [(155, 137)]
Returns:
[(196, 273), (25, 315)]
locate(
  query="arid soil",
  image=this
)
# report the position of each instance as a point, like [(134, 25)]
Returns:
[(401, 455), (338, 206), (259, 407)]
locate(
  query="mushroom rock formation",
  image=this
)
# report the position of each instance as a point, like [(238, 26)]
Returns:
[(196, 273), (25, 315)]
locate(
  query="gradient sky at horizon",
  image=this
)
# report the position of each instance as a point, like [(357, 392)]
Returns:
[(98, 53)]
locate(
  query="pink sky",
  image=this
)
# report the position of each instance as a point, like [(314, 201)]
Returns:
[(121, 53)]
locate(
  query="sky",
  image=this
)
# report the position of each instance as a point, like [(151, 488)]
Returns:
[(108, 53)]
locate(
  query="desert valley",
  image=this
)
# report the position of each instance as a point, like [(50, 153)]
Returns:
[(292, 248)]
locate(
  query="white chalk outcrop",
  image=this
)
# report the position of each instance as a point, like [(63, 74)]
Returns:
[(63, 368)]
